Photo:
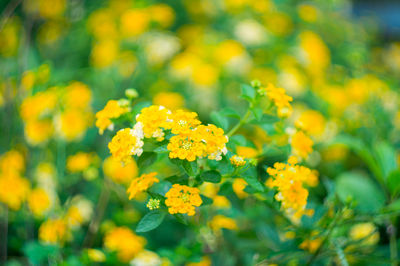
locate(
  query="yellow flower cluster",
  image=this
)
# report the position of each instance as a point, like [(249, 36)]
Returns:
[(54, 231), (154, 119), (289, 179), (118, 172), (141, 184), (183, 199), (301, 144), (65, 110), (365, 232), (219, 221), (123, 241), (110, 111), (280, 99), (15, 187), (237, 161), (125, 143), (80, 161), (39, 202)]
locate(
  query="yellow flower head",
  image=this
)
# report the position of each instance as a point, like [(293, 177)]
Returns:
[(301, 144), (186, 147), (237, 161), (170, 100), (238, 187), (79, 162), (72, 123), (38, 105), (183, 121), (141, 184), (118, 172), (77, 95), (38, 132), (96, 255), (365, 232), (154, 119), (312, 122), (39, 202), (280, 99), (183, 199), (123, 241), (12, 161), (111, 110), (15, 190), (125, 143), (219, 221), (214, 140), (54, 231), (289, 180)]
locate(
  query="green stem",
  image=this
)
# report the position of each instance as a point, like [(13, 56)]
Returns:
[(391, 230), (242, 121)]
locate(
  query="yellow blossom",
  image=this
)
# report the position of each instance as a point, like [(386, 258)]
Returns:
[(246, 152), (72, 124), (183, 121), (110, 111), (316, 55), (205, 261), (311, 244), (79, 162), (123, 241), (170, 100), (308, 13), (12, 161), (120, 173), (39, 202), (28, 80), (141, 184), (364, 232), (280, 99), (15, 190), (77, 95), (79, 212), (154, 119), (38, 131), (134, 22), (186, 147), (182, 199), (289, 179), (153, 204), (54, 231), (312, 122), (238, 187), (214, 139), (301, 144), (104, 53), (219, 221), (162, 14), (125, 143), (38, 105), (96, 255), (237, 161)]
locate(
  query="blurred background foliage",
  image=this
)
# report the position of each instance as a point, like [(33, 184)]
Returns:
[(63, 60)]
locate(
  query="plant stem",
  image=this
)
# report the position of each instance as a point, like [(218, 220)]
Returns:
[(99, 213), (4, 234), (242, 121)]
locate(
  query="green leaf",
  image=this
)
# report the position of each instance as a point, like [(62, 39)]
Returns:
[(226, 189), (38, 254), (250, 176), (150, 221), (257, 112), (212, 176), (181, 218), (229, 112), (219, 120), (386, 158), (178, 179), (248, 92), (146, 159), (393, 181), (355, 186), (206, 200), (190, 167), (161, 149)]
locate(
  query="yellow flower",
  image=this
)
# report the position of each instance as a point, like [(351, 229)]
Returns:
[(280, 99), (77, 95), (154, 119), (125, 143), (72, 124), (54, 10), (219, 221), (153, 204), (12, 161), (9, 37), (182, 199), (111, 110), (38, 105), (214, 139), (79, 162), (162, 14), (54, 231), (246, 152), (205, 261), (316, 55), (28, 80), (279, 23), (228, 50), (141, 184), (301, 144), (15, 189), (123, 241), (38, 131), (308, 13), (39, 202), (289, 180), (237, 161), (134, 22), (183, 121), (311, 244), (79, 212), (312, 122), (96, 255), (170, 100), (366, 233), (104, 53), (238, 186), (118, 172), (186, 147), (102, 25)]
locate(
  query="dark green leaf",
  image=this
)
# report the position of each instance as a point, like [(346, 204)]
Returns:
[(39, 254), (161, 149), (219, 120), (393, 181), (248, 92), (150, 221), (181, 218), (146, 159), (190, 167), (212, 176), (206, 200)]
